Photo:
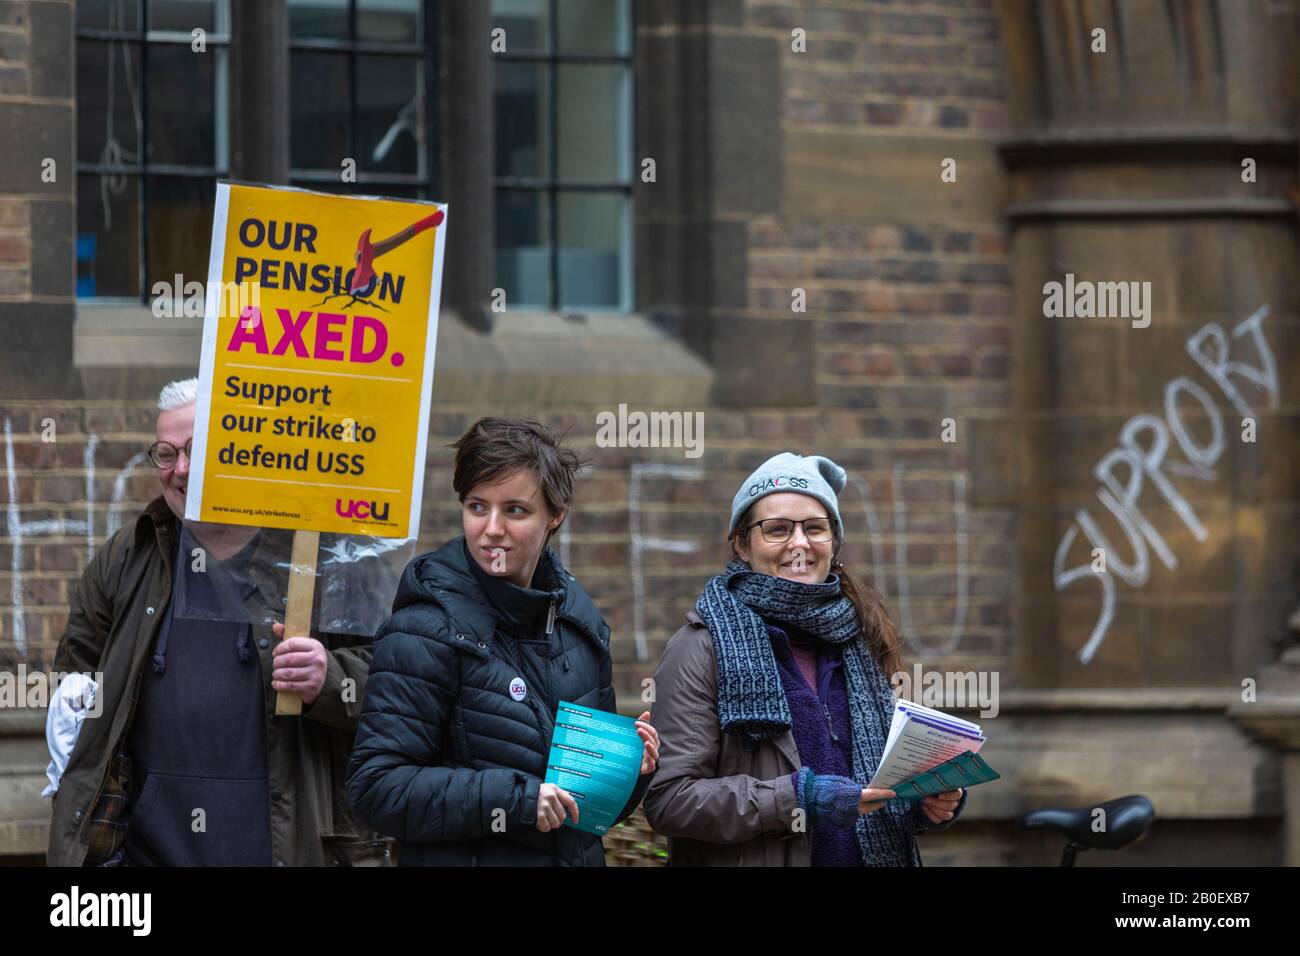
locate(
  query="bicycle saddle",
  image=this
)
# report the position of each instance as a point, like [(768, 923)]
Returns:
[(1127, 818)]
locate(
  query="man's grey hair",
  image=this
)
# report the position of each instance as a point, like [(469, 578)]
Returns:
[(178, 394)]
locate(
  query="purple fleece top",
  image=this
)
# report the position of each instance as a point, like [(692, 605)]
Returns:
[(822, 732)]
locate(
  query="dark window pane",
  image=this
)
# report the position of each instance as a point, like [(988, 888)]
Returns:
[(318, 19), (107, 237), (108, 14), (593, 26), (318, 107), (389, 21), (390, 114), (392, 192), (180, 228), (526, 24), (523, 261), (185, 16), (107, 127), (593, 119), (521, 107), (593, 230), (329, 186), (181, 125)]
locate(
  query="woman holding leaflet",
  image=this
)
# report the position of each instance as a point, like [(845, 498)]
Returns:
[(488, 634), (774, 700)]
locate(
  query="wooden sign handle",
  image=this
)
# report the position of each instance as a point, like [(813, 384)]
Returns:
[(297, 615)]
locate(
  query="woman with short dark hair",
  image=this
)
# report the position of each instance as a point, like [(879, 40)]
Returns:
[(488, 634)]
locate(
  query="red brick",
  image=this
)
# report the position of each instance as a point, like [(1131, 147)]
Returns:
[(874, 363), (35, 454), (43, 590), (60, 556), (61, 489)]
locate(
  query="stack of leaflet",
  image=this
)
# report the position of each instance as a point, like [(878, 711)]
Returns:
[(928, 751)]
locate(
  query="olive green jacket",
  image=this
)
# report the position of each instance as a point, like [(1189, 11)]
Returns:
[(114, 618)]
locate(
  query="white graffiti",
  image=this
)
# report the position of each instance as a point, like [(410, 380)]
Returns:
[(641, 543), (880, 573), (1210, 349)]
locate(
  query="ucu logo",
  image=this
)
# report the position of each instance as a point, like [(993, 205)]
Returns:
[(361, 509)]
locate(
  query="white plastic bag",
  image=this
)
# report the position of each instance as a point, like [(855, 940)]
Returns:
[(74, 697)]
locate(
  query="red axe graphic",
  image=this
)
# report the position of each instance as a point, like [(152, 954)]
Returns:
[(364, 279)]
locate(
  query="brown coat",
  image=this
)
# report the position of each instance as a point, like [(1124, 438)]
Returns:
[(718, 804), (114, 619)]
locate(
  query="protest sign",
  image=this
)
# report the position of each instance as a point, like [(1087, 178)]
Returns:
[(314, 385), (314, 405)]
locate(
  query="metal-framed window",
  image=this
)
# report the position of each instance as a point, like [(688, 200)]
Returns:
[(380, 59), (564, 101), (153, 121), (152, 138)]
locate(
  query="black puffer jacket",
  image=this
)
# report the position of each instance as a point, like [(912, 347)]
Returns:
[(445, 760)]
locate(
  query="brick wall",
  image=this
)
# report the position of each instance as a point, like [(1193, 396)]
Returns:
[(910, 309), (15, 213)]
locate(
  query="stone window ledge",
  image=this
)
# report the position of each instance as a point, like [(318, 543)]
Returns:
[(124, 352)]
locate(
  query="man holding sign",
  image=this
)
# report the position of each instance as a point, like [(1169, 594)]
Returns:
[(185, 765), (310, 415)]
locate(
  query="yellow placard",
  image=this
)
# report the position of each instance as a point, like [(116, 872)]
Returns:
[(318, 354)]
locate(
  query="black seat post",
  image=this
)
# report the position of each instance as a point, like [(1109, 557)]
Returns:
[(1071, 849)]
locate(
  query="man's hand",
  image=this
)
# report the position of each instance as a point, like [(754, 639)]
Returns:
[(939, 807), (298, 665)]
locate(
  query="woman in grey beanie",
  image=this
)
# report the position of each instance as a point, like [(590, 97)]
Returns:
[(773, 703)]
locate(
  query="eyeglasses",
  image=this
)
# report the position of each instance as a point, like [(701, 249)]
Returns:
[(165, 455), (779, 530)]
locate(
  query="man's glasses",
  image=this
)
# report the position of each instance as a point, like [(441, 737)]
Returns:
[(165, 455), (779, 530)]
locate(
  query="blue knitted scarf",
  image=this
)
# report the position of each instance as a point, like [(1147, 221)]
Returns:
[(751, 698)]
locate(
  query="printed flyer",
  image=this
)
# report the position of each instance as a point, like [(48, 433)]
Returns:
[(596, 757)]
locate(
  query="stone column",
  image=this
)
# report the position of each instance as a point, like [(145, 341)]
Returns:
[(468, 142), (1162, 158), (259, 92)]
